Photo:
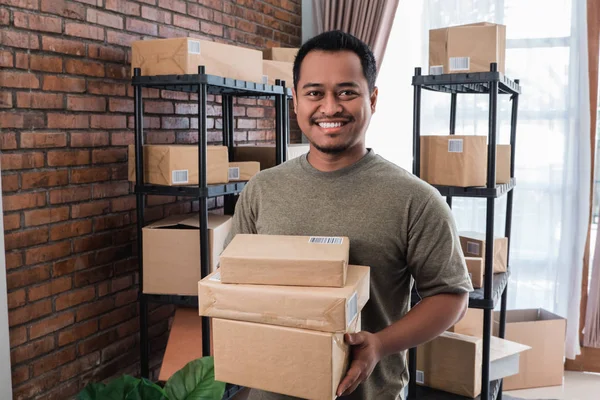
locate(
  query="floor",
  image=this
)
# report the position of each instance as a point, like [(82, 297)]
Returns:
[(576, 386)]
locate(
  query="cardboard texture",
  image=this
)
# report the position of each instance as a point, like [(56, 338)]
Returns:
[(295, 362), (286, 260), (278, 70), (284, 54), (177, 165), (545, 333), (503, 152), (243, 171), (265, 155), (172, 252), (183, 56), (467, 48), (473, 245), (316, 308), (452, 362), (183, 343), (471, 324), (476, 268)]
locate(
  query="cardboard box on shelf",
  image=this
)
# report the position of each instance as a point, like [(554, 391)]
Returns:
[(476, 268), (177, 165), (265, 155), (452, 362), (183, 56), (315, 308), (286, 260), (473, 245), (467, 48), (544, 332), (172, 252), (276, 359), (502, 163), (243, 171), (471, 324), (273, 70), (286, 54)]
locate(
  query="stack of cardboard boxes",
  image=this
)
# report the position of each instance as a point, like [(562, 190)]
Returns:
[(280, 306)]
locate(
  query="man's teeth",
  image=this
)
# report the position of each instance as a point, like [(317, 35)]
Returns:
[(330, 124)]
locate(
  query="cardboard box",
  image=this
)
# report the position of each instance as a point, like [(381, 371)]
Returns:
[(243, 171), (473, 245), (177, 165), (315, 308), (471, 324), (280, 54), (476, 268), (502, 163), (452, 362), (273, 70), (467, 48), (172, 252), (544, 332), (286, 260), (265, 155), (295, 362), (184, 55)]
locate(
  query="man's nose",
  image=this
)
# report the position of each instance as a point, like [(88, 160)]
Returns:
[(330, 105)]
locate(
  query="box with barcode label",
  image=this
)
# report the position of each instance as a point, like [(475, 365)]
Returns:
[(183, 56), (177, 165), (286, 260), (473, 245), (315, 308), (243, 171), (467, 48)]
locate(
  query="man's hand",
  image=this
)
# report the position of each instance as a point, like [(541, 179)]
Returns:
[(366, 353)]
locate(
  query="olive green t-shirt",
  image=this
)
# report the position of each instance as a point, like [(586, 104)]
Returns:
[(397, 224)]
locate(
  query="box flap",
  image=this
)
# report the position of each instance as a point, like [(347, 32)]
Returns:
[(501, 348), (190, 220), (170, 221)]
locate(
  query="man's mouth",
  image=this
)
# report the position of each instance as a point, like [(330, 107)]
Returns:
[(331, 125)]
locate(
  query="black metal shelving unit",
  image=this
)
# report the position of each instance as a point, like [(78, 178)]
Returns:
[(203, 85), (492, 83)]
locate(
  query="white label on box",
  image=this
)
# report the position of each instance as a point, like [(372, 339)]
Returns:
[(193, 47), (473, 248), (265, 79), (180, 176), (351, 308), (455, 146), (216, 277), (460, 63), (420, 378), (325, 240), (234, 173), (436, 70)]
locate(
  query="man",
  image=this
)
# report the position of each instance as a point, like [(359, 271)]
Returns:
[(398, 225)]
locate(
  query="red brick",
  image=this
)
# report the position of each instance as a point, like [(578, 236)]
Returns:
[(156, 15), (256, 112), (46, 216), (8, 140), (6, 58), (216, 4), (61, 7), (117, 72), (6, 100), (23, 80), (266, 124), (72, 264), (23, 201), (89, 139), (121, 283), (125, 297), (110, 222), (22, 160), (90, 209), (39, 100), (89, 175), (75, 368), (123, 204), (27, 238), (62, 158), (246, 123), (119, 348), (14, 259), (64, 84), (120, 172), (56, 45), (63, 390), (46, 63), (34, 180), (89, 243), (187, 23), (70, 229), (67, 121), (122, 138), (113, 189), (200, 12), (86, 103), (108, 122), (47, 253), (107, 156), (22, 60), (30, 312), (20, 375), (103, 18), (34, 387), (84, 31), (51, 288), (74, 297), (246, 102), (93, 309), (17, 299), (175, 123), (93, 275), (10, 183), (123, 7), (158, 107), (70, 195), (32, 349), (128, 327), (17, 336), (170, 32), (138, 26), (77, 332), (43, 139), (121, 105), (37, 22), (52, 324), (54, 361), (171, 95), (105, 53), (104, 88), (211, 29), (81, 67), (12, 221), (121, 38), (97, 342), (173, 5), (20, 40)]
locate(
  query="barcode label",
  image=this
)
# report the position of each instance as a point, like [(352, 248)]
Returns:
[(436, 70), (460, 63), (216, 277), (473, 248), (265, 79), (234, 173), (455, 146), (420, 378), (193, 47), (325, 240), (351, 309), (180, 176)]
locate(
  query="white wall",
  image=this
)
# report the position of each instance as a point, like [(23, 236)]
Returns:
[(5, 374)]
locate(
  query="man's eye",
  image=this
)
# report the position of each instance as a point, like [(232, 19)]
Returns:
[(348, 93), (313, 93)]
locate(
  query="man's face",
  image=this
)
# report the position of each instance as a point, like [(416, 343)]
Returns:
[(332, 102)]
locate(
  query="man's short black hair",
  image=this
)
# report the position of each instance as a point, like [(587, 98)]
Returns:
[(339, 41)]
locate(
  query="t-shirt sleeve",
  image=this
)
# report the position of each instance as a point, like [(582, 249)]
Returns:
[(434, 256), (243, 216)]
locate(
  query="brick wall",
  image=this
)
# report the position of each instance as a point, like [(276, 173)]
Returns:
[(65, 121)]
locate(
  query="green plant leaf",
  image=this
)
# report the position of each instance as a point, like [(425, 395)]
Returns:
[(91, 392), (151, 391), (195, 381), (121, 389)]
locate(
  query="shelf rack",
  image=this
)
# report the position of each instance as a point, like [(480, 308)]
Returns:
[(490, 83), (201, 84)]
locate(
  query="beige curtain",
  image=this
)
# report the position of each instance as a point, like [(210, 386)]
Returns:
[(369, 20)]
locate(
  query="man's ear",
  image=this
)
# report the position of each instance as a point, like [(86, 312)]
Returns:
[(295, 99), (374, 99)]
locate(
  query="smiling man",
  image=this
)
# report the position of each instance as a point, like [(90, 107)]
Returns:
[(397, 224)]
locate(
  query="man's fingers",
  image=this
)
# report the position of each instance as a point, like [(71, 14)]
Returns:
[(350, 379), (354, 338), (353, 387)]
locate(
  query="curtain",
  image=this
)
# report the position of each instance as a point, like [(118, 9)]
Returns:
[(551, 203), (370, 21)]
